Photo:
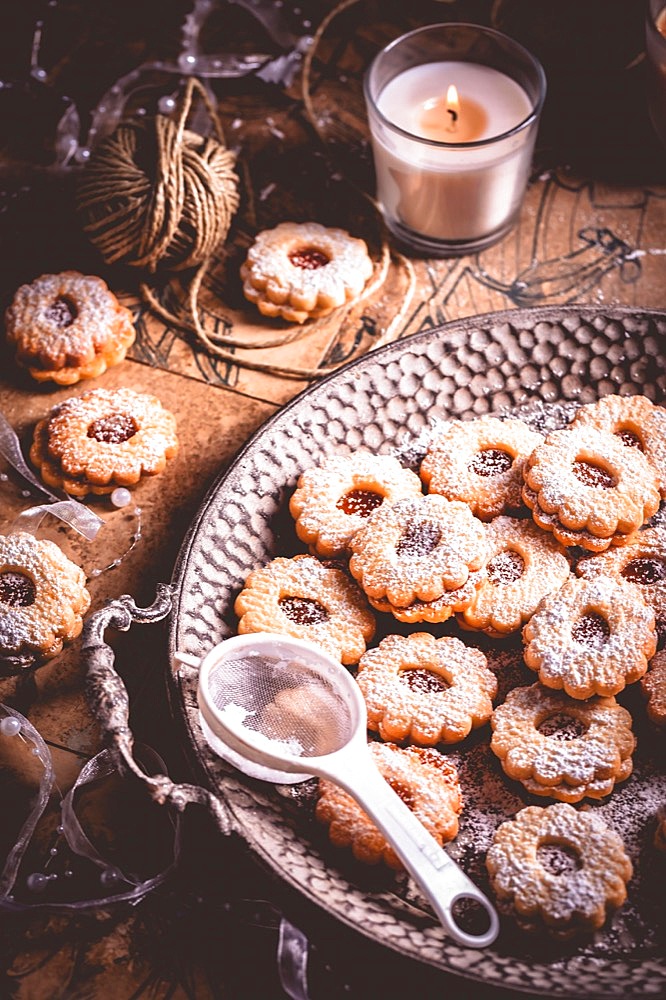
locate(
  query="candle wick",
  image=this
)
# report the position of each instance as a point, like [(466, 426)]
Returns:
[(454, 118)]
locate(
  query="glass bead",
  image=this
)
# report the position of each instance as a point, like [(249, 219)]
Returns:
[(37, 882), (121, 497), (9, 726), (110, 876)]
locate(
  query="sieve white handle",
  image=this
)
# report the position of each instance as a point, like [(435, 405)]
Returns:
[(441, 880)]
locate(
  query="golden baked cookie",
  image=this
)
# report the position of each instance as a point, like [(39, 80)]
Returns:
[(43, 598), (425, 780), (417, 549), (637, 421), (591, 637), (103, 439), (303, 598), (333, 500), (524, 564), (642, 561), (584, 480), (559, 869), (303, 270), (659, 839), (560, 747), (68, 326), (439, 610), (426, 690), (481, 463), (653, 685)]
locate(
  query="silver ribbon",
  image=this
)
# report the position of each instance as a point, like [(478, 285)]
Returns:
[(103, 764), (73, 513)]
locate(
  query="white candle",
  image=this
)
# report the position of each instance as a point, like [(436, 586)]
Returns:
[(452, 142)]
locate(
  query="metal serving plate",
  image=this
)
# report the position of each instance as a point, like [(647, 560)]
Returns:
[(539, 364)]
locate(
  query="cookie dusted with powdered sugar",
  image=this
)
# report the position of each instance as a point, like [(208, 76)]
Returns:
[(307, 600), (103, 439), (333, 500), (426, 690), (303, 270), (481, 463), (43, 598), (591, 637), (425, 780), (68, 326), (558, 869)]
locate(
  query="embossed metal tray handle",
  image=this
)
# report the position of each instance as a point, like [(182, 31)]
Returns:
[(108, 699)]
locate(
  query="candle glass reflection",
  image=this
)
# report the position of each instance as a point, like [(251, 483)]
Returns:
[(451, 176), (655, 50)]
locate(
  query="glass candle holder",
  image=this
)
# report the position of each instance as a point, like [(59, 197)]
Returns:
[(655, 51), (453, 111)]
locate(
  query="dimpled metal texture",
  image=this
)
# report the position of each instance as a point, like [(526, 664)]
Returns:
[(501, 363)]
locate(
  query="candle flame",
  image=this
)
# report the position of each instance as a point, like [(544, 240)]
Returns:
[(452, 107)]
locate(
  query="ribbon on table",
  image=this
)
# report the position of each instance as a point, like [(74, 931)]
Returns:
[(130, 889), (73, 513)]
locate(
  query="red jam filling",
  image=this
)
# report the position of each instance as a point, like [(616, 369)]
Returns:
[(559, 859), (423, 681), (113, 429), (308, 258), (16, 589), (361, 502), (630, 439), (591, 630), (645, 571), (303, 610), (491, 462), (590, 474), (62, 312), (562, 727), (418, 539), (505, 568)]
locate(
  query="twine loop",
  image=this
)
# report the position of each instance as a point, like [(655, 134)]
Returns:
[(155, 194)]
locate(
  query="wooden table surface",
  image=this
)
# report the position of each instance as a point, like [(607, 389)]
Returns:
[(592, 230)]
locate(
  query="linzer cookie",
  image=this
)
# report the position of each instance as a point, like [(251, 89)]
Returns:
[(417, 549), (642, 561), (333, 500), (43, 598), (300, 271), (558, 869), (426, 690), (425, 780), (637, 422), (591, 637), (103, 439), (588, 488), (303, 598), (524, 564), (481, 463), (437, 611), (560, 747), (69, 326)]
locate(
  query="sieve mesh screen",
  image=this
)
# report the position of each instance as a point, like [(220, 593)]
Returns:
[(285, 705)]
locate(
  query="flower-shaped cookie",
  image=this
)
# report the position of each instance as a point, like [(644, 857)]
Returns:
[(102, 439), (333, 500), (637, 422), (69, 326), (480, 462), (585, 480), (299, 271), (653, 685), (524, 564), (559, 869), (591, 637), (426, 690), (303, 598), (439, 610), (425, 780), (42, 600), (560, 747), (416, 549)]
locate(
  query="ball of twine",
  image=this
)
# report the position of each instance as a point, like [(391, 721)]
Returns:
[(155, 194)]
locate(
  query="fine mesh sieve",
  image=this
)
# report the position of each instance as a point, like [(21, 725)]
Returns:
[(284, 704)]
